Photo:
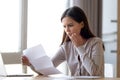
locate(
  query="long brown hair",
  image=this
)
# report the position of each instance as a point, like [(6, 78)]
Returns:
[(78, 15)]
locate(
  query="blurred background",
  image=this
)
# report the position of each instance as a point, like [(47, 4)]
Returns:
[(26, 23)]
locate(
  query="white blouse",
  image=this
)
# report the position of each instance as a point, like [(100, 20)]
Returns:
[(86, 60)]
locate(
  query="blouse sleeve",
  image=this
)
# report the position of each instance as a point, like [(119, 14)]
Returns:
[(59, 57), (95, 63)]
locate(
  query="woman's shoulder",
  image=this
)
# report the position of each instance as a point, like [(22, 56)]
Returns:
[(95, 39)]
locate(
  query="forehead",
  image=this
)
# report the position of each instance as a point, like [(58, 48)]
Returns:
[(67, 20)]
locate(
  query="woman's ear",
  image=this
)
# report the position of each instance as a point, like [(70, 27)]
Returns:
[(82, 23)]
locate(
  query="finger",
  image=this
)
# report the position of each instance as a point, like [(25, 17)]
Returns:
[(74, 37)]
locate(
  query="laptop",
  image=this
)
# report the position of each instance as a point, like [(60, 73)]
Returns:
[(3, 72)]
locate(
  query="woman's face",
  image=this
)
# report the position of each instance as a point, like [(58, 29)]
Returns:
[(71, 26)]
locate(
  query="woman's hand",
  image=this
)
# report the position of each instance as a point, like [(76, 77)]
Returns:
[(25, 61), (77, 39)]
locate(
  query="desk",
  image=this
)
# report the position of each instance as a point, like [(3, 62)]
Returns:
[(53, 78), (63, 78)]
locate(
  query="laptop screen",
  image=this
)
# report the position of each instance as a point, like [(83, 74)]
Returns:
[(2, 67)]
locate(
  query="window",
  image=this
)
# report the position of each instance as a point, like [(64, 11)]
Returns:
[(9, 26), (109, 35), (10, 39), (44, 25), (25, 23)]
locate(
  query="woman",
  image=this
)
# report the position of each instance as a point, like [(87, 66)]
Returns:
[(83, 51)]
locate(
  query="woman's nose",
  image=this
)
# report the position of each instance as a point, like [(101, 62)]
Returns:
[(67, 29)]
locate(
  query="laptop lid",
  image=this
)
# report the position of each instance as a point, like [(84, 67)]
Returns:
[(3, 72)]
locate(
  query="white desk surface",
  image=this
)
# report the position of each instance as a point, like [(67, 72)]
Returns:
[(54, 78)]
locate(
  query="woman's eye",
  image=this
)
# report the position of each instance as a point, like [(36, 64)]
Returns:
[(70, 25), (64, 26)]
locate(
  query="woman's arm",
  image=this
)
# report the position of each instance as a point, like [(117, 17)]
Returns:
[(95, 63), (59, 57)]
